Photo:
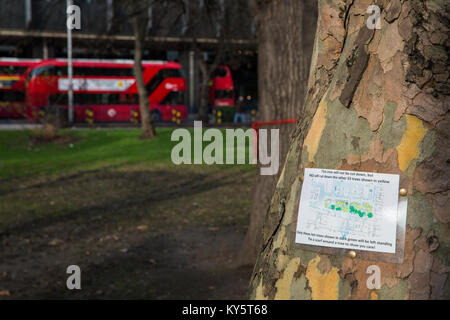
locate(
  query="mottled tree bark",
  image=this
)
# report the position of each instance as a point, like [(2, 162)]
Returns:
[(286, 31), (377, 100)]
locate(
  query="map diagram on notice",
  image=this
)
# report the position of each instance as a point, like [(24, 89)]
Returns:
[(348, 209)]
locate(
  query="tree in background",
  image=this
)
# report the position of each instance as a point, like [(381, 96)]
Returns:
[(222, 17), (285, 30), (134, 14), (139, 19), (377, 100)]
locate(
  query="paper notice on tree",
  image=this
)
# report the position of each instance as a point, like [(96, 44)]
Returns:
[(348, 209)]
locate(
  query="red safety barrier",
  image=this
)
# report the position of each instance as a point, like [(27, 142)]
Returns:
[(257, 124)]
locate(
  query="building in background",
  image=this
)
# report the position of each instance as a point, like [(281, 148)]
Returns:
[(36, 29)]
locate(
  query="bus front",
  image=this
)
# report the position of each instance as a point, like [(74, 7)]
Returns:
[(221, 94), (12, 86), (166, 89)]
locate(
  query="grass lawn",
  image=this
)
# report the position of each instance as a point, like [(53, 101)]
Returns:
[(137, 225), (91, 149)]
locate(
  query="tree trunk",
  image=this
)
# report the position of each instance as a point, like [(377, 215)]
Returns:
[(148, 130), (377, 100), (284, 56), (203, 112), (207, 73)]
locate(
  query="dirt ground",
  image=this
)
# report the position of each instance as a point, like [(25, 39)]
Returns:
[(136, 232)]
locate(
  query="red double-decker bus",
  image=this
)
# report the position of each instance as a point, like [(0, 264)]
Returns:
[(12, 86), (106, 90), (221, 90)]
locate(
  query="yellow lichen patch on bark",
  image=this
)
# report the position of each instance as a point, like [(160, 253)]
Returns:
[(315, 132), (324, 286), (373, 295), (283, 284), (259, 293), (408, 149)]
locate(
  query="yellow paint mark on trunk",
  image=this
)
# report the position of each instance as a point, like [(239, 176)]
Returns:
[(324, 286), (373, 295), (408, 149), (283, 284), (315, 132)]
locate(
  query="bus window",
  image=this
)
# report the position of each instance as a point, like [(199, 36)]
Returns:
[(161, 76), (224, 94), (220, 73), (174, 97), (12, 70), (133, 99), (12, 96), (105, 98), (60, 71), (43, 71)]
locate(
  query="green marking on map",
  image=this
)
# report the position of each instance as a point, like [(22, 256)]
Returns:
[(355, 208)]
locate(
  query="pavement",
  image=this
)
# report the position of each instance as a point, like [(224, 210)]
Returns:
[(23, 125), (19, 126)]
